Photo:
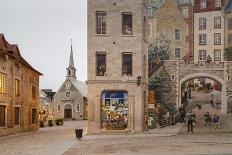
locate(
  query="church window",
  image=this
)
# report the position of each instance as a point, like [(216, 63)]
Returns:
[(77, 107), (101, 64), (2, 83), (101, 22), (127, 64), (58, 108), (127, 28)]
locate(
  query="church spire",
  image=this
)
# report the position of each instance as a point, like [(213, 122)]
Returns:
[(71, 70)]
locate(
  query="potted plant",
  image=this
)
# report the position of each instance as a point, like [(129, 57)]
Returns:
[(41, 123), (50, 122)]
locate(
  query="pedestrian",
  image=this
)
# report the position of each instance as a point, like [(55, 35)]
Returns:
[(189, 93), (185, 60), (191, 118), (208, 119), (182, 113), (216, 121)]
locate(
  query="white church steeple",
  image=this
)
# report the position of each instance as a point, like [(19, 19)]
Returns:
[(71, 70)]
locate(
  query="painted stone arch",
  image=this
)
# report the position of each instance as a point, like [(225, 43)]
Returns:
[(210, 76)]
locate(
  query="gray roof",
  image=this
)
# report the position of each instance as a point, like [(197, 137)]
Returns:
[(229, 7), (80, 86)]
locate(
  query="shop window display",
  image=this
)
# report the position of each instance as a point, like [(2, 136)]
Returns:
[(114, 110)]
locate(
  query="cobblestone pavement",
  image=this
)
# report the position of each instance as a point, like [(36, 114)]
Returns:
[(184, 144), (46, 141)]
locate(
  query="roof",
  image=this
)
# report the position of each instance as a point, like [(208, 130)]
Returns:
[(229, 7), (184, 2), (153, 6), (80, 86), (13, 51)]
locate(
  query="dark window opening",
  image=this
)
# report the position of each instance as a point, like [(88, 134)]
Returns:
[(127, 64), (101, 64)]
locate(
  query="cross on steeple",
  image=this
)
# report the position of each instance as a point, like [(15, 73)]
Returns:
[(71, 70)]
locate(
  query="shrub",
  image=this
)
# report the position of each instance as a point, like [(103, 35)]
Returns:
[(50, 122), (59, 121), (41, 124)]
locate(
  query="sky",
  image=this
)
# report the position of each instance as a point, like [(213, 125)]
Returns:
[(43, 30)]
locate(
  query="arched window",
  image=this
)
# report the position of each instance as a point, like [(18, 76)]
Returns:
[(58, 108)]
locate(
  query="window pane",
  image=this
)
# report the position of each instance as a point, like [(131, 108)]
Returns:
[(202, 55), (217, 55), (217, 22), (2, 83), (127, 24), (177, 52), (101, 22), (101, 64), (217, 38), (127, 64), (177, 34)]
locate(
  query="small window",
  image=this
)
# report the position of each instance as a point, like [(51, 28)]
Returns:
[(17, 115), (2, 115), (33, 92), (2, 83), (217, 22), (101, 22), (177, 34), (202, 55), (58, 108), (185, 12), (202, 23), (127, 64), (217, 55), (202, 39), (230, 23), (77, 107), (217, 38), (127, 28), (101, 64), (203, 4), (177, 53), (218, 3), (33, 118), (17, 87)]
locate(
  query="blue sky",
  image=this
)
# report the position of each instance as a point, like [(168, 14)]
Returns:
[(43, 29)]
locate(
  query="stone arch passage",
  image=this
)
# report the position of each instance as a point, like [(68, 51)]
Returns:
[(206, 75)]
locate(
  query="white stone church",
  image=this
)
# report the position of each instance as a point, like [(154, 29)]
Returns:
[(70, 101)]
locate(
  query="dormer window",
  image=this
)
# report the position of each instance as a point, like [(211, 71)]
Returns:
[(203, 4)]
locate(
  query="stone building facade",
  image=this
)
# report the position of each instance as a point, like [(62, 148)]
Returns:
[(186, 9), (166, 18), (19, 91), (70, 101), (208, 30), (117, 65)]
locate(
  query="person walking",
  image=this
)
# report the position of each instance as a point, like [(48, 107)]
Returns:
[(216, 121), (191, 118)]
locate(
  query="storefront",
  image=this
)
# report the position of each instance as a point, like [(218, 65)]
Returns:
[(114, 110)]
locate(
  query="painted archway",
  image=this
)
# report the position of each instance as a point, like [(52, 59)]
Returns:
[(67, 111), (206, 75)]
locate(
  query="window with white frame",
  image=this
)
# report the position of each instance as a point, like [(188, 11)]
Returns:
[(217, 38), (202, 39), (217, 22), (202, 55), (218, 3), (177, 34), (203, 4), (217, 55), (185, 12), (177, 53), (77, 107), (202, 23)]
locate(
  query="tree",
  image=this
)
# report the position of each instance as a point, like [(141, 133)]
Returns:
[(228, 53), (159, 50)]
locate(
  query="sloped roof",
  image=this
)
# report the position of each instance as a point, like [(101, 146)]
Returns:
[(153, 6), (80, 86), (229, 7)]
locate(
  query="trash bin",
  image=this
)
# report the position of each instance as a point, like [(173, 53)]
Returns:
[(79, 133)]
